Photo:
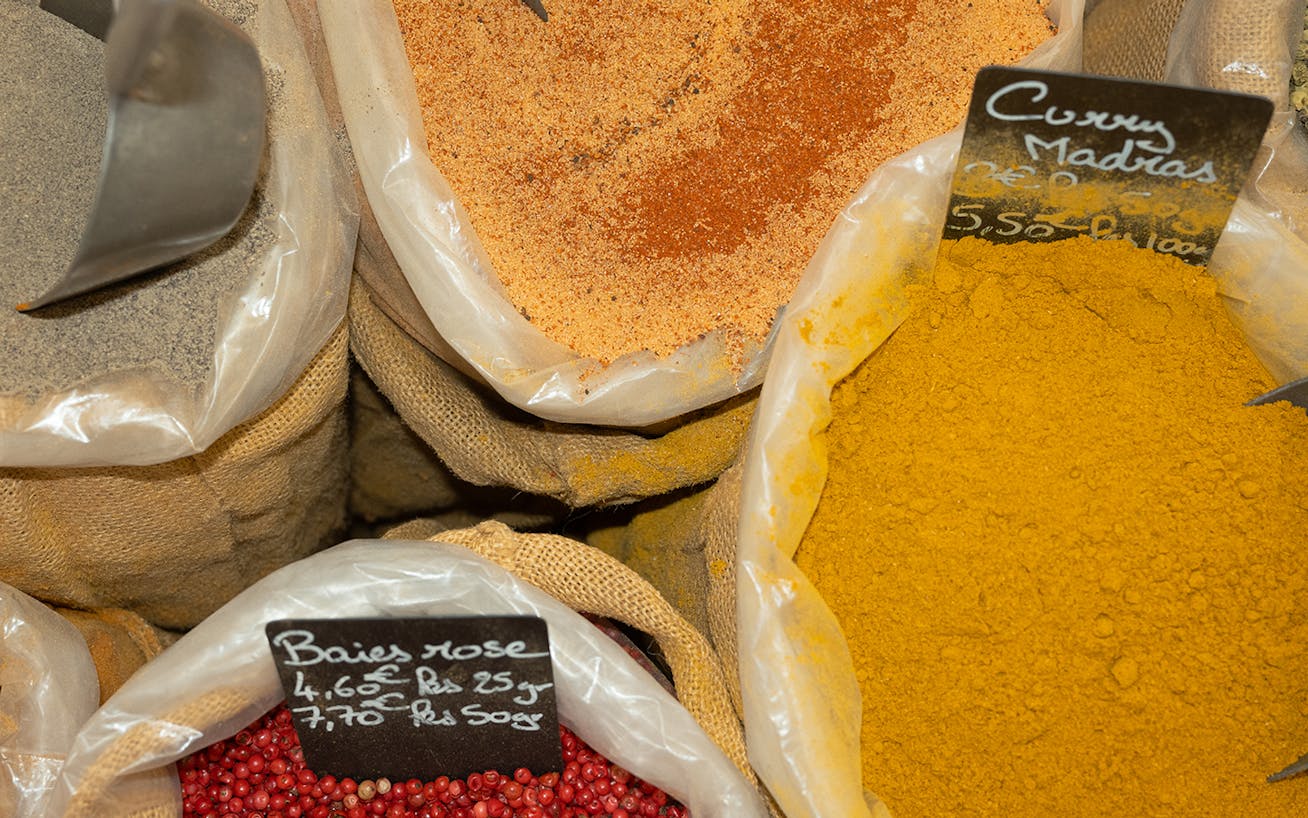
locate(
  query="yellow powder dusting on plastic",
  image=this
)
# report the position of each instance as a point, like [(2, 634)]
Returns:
[(1066, 557), (644, 173)]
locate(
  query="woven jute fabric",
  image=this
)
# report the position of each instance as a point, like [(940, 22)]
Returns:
[(578, 575), (1128, 38), (590, 581), (660, 540), (684, 544), (718, 528), (1244, 46), (485, 441), (120, 643), (144, 741), (174, 541), (394, 475), (1248, 46)]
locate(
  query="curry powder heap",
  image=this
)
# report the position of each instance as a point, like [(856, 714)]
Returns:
[(1066, 557), (644, 172)]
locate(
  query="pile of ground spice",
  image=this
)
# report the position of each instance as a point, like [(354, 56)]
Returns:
[(53, 109), (1065, 555), (643, 173)]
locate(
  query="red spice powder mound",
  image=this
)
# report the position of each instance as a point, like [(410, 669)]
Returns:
[(644, 173)]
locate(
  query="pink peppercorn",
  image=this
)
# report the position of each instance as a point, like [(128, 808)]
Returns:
[(260, 773)]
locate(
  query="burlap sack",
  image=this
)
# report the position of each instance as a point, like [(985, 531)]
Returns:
[(120, 642), (395, 476), (1299, 74), (483, 440), (1248, 46), (589, 581), (1240, 45), (719, 526), (121, 764), (658, 539), (173, 542), (1128, 38), (47, 691), (290, 303), (684, 544), (153, 797), (457, 426)]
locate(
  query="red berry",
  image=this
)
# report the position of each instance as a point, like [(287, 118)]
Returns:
[(260, 773)]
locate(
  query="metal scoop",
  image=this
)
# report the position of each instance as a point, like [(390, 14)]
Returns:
[(1296, 392), (183, 145), (538, 7)]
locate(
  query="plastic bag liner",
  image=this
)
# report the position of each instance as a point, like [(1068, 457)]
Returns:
[(48, 687), (801, 699), (798, 689), (432, 239), (293, 301), (220, 677)]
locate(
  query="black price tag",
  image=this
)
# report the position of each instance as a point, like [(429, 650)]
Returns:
[(421, 697), (1049, 156)]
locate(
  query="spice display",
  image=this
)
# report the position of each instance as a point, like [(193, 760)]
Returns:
[(1064, 553), (53, 110), (642, 174), (261, 770)]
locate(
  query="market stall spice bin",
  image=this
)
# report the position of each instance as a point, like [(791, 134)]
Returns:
[(1171, 629), (644, 174), (612, 208), (1050, 522), (220, 677), (167, 441)]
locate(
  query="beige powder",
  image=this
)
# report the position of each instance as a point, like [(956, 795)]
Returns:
[(644, 173)]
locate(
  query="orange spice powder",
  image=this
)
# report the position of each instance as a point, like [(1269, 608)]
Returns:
[(1064, 552), (644, 173)]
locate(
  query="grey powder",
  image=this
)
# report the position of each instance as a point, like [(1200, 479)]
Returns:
[(53, 109)]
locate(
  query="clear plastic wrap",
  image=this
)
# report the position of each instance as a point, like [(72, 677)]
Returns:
[(221, 676), (48, 688), (290, 306), (800, 696), (434, 243), (801, 699)]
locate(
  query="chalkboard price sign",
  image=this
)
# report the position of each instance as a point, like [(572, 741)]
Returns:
[(1049, 156), (420, 697)]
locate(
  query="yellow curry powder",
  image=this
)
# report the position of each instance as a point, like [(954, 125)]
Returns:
[(1066, 557)]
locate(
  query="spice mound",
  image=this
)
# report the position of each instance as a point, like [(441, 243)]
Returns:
[(644, 173), (261, 771), (1065, 555), (53, 111)]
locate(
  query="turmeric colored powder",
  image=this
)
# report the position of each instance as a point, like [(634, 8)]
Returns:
[(1067, 558)]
